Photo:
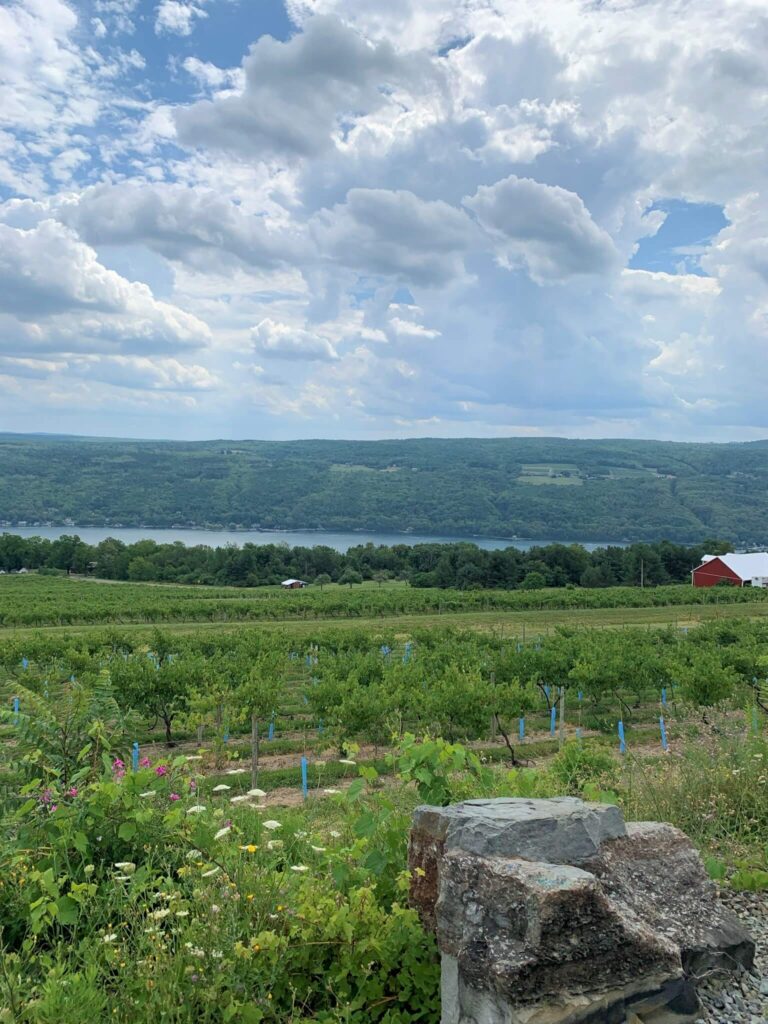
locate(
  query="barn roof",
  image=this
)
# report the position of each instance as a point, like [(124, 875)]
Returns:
[(746, 566), (287, 583)]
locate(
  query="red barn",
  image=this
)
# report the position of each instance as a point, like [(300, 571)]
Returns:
[(738, 569)]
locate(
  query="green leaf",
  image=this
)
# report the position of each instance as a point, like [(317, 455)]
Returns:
[(127, 830), (67, 910), (80, 842)]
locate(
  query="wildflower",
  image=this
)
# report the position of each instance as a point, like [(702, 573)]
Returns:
[(334, 834), (149, 793), (88, 870), (72, 791), (211, 872), (250, 848), (237, 771), (272, 825), (238, 799), (318, 849), (46, 796), (145, 763), (174, 797), (274, 844), (182, 913), (194, 757), (301, 834), (346, 760), (215, 908), (332, 792), (319, 764), (192, 785), (249, 897), (158, 915), (221, 788), (299, 868), (197, 809), (223, 832), (256, 792), (111, 937), (126, 866), (122, 878), (194, 855), (161, 770)]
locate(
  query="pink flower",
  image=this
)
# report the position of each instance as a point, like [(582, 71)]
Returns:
[(53, 807), (72, 791), (145, 763), (117, 764), (192, 785), (46, 796), (161, 770), (174, 796)]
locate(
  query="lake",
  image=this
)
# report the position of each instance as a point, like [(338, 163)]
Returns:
[(295, 538)]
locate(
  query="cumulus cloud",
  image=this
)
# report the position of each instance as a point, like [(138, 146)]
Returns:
[(300, 93), (48, 276), (178, 222), (284, 341), (544, 228), (397, 234)]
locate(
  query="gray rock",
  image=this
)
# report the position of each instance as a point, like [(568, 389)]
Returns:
[(559, 831), (554, 912)]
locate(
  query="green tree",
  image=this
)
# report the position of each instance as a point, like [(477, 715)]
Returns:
[(350, 576)]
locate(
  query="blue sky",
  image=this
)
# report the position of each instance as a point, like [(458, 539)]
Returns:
[(343, 218)]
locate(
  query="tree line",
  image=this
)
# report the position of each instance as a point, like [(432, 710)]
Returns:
[(462, 566)]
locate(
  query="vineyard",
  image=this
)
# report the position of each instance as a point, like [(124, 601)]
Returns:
[(53, 601), (209, 824)]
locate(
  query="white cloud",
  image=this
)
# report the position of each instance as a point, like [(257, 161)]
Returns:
[(55, 283), (178, 18), (284, 341), (544, 228), (299, 94), (397, 234)]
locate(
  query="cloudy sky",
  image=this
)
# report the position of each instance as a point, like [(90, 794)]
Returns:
[(359, 218)]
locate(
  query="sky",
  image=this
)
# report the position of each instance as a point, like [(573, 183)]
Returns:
[(366, 219)]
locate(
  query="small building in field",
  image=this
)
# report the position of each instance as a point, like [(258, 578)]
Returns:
[(293, 584), (740, 570)]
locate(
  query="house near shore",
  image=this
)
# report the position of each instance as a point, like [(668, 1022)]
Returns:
[(738, 569), (293, 584)]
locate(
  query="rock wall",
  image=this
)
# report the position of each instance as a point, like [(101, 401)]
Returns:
[(556, 912)]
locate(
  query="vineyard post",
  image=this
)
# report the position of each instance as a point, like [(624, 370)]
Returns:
[(254, 751), (304, 786), (622, 741), (562, 715), (135, 755), (664, 744), (15, 710), (200, 735), (552, 719)]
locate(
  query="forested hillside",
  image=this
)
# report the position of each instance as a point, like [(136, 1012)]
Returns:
[(527, 487)]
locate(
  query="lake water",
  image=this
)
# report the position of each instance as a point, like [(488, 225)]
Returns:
[(295, 538)]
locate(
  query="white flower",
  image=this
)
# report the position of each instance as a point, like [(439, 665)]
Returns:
[(194, 855), (237, 771), (221, 788), (332, 792), (194, 757), (299, 867), (274, 844), (182, 913), (197, 809), (126, 866), (223, 832), (238, 799), (318, 849), (158, 915), (319, 764), (272, 825), (211, 872), (110, 938), (215, 908), (346, 760), (256, 792), (149, 793), (301, 835), (334, 834), (122, 878)]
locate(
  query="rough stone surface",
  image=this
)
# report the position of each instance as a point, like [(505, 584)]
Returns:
[(657, 874), (559, 831), (554, 912)]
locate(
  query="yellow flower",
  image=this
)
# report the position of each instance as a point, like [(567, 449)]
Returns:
[(249, 897)]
